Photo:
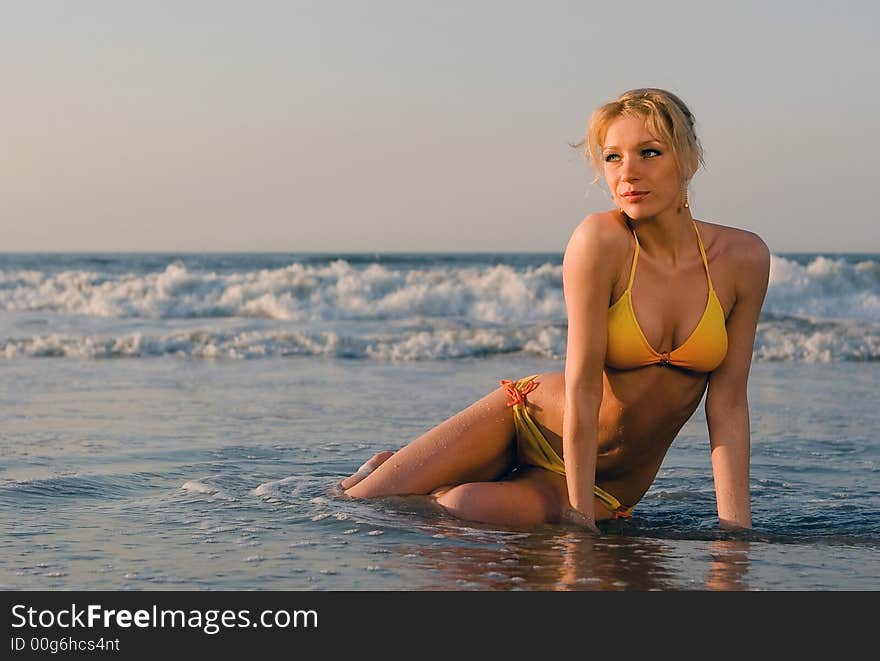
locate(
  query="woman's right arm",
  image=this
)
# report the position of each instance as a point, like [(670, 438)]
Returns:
[(588, 273)]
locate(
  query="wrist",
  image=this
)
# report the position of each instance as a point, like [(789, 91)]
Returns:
[(571, 515)]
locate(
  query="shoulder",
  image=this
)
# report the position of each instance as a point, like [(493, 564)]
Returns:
[(743, 252), (599, 234), (742, 247), (597, 249)]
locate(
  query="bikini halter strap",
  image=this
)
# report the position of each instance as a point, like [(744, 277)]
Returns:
[(632, 271)]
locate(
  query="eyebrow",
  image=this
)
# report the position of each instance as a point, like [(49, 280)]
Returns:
[(646, 142)]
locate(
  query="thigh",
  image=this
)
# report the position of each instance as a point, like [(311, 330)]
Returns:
[(476, 444)]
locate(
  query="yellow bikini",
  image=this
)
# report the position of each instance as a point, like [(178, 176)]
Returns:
[(533, 449), (627, 348)]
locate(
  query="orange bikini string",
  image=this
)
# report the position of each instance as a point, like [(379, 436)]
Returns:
[(518, 396)]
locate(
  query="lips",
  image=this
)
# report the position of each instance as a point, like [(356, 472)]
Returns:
[(634, 196)]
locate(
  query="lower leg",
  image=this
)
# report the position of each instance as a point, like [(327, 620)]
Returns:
[(530, 499)]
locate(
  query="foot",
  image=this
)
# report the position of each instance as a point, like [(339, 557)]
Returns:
[(368, 467)]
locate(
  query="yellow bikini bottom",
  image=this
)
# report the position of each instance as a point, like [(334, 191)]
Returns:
[(533, 449)]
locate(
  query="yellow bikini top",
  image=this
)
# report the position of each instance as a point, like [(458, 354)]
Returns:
[(628, 348)]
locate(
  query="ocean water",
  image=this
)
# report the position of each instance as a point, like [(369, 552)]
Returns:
[(181, 422)]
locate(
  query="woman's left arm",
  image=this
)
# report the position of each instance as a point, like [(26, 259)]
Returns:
[(727, 406)]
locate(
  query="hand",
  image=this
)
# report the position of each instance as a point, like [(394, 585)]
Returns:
[(573, 516)]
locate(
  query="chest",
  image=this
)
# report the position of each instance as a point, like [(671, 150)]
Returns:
[(668, 304)]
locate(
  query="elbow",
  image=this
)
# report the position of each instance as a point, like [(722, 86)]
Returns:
[(581, 384), (584, 400), (717, 410), (584, 388)]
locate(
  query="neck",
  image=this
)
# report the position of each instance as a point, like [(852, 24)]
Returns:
[(667, 238)]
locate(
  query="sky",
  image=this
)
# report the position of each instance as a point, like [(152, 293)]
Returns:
[(414, 126)]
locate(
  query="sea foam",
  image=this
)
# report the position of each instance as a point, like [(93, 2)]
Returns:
[(816, 310)]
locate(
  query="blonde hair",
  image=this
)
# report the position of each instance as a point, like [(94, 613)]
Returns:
[(666, 116)]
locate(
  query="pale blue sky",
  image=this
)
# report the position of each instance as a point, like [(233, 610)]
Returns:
[(419, 126)]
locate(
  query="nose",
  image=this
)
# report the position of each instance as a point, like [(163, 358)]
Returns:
[(629, 169)]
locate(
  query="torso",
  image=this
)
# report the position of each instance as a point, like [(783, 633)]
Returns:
[(643, 409)]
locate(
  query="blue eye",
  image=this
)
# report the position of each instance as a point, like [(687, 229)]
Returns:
[(650, 153), (611, 157)]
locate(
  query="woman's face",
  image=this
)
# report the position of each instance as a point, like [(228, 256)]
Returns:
[(640, 170)]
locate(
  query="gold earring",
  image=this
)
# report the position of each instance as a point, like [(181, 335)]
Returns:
[(684, 193)]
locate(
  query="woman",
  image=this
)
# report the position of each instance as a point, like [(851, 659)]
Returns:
[(660, 307)]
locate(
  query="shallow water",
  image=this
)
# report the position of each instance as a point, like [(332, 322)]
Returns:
[(171, 473)]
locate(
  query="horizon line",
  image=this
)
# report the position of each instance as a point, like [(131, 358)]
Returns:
[(369, 252)]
